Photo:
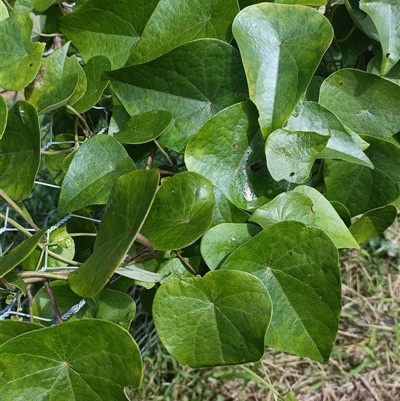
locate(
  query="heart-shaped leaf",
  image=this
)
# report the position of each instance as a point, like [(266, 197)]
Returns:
[(81, 360), (19, 58), (281, 46), (220, 241), (386, 16), (20, 151), (181, 212), (361, 189), (225, 315), (127, 208), (90, 183), (234, 161), (291, 154), (373, 111), (303, 282), (12, 328), (193, 82)]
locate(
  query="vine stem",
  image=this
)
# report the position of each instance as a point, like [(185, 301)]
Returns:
[(89, 131), (53, 301), (8, 5), (187, 265)]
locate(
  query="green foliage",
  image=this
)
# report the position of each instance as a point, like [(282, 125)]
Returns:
[(211, 115)]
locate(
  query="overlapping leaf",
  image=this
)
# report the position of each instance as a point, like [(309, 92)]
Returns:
[(11, 328), (374, 67)]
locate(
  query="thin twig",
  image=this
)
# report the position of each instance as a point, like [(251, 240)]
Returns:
[(56, 152), (143, 240), (30, 301), (164, 153), (149, 161), (187, 265), (62, 275), (89, 131), (53, 301), (8, 5), (76, 135)]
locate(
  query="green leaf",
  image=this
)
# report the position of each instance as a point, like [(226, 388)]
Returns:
[(20, 151), (281, 46), (307, 205), (3, 114), (127, 208), (311, 116), (291, 154), (89, 183), (225, 315), (3, 11), (373, 111), (386, 16), (80, 360), (290, 397), (361, 189), (43, 5), (374, 67), (19, 57), (181, 212), (303, 282), (220, 241), (144, 127), (373, 223), (96, 84), (193, 82), (56, 81), (234, 160), (136, 273), (16, 282), (182, 22), (16, 255), (361, 20), (10, 329)]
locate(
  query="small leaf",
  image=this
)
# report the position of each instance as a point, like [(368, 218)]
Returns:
[(20, 151), (3, 11), (303, 282), (281, 46), (139, 274), (78, 360), (181, 212), (144, 127), (16, 282), (89, 183), (10, 329), (373, 223), (291, 154), (127, 208), (225, 315), (220, 241), (374, 111), (19, 58)]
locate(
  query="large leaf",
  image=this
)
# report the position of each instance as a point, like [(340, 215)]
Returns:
[(303, 282), (12, 328), (361, 189), (234, 160), (3, 114), (281, 46), (307, 205), (183, 21), (127, 208), (366, 103), (311, 116), (225, 317), (19, 57), (20, 151), (81, 360), (291, 154), (193, 82), (181, 213), (386, 16), (96, 165)]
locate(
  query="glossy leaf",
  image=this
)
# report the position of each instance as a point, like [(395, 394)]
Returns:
[(303, 282), (20, 151), (234, 160), (281, 46), (56, 81), (361, 189), (220, 241), (182, 22), (291, 154), (373, 111), (225, 315), (181, 212), (127, 208), (10, 329), (16, 255), (374, 67), (77, 358), (144, 127), (89, 183), (311, 116), (386, 16), (373, 223), (307, 205), (3, 114), (193, 82), (19, 58)]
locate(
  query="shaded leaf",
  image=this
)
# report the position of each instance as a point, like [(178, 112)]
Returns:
[(361, 20), (226, 314), (16, 282), (225, 211), (10, 329), (43, 5), (374, 67), (303, 282)]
